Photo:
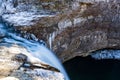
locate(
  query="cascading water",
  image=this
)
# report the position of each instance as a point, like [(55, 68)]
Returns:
[(35, 48)]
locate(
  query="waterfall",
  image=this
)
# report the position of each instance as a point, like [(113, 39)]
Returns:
[(37, 50)]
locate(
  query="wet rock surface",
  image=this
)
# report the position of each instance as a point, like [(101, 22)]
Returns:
[(15, 65)]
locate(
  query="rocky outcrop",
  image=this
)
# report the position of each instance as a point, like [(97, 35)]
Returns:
[(99, 31), (87, 27), (15, 64)]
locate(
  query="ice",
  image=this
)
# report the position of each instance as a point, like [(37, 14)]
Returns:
[(106, 54), (23, 18)]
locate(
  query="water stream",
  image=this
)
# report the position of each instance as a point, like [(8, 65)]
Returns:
[(37, 49)]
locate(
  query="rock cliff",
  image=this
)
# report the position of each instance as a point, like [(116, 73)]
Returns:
[(77, 29)]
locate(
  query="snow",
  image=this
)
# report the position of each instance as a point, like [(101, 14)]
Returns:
[(9, 78), (23, 18), (64, 24), (106, 54), (79, 20), (46, 75), (6, 6)]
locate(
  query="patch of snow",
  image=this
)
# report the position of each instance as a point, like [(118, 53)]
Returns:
[(9, 78), (78, 20), (106, 54), (46, 74), (64, 24), (23, 18), (6, 6)]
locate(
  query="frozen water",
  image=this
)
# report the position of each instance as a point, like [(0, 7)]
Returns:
[(106, 54)]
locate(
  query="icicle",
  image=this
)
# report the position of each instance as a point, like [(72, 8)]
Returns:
[(51, 39)]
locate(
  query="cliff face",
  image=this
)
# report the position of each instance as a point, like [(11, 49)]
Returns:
[(78, 29), (100, 30)]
